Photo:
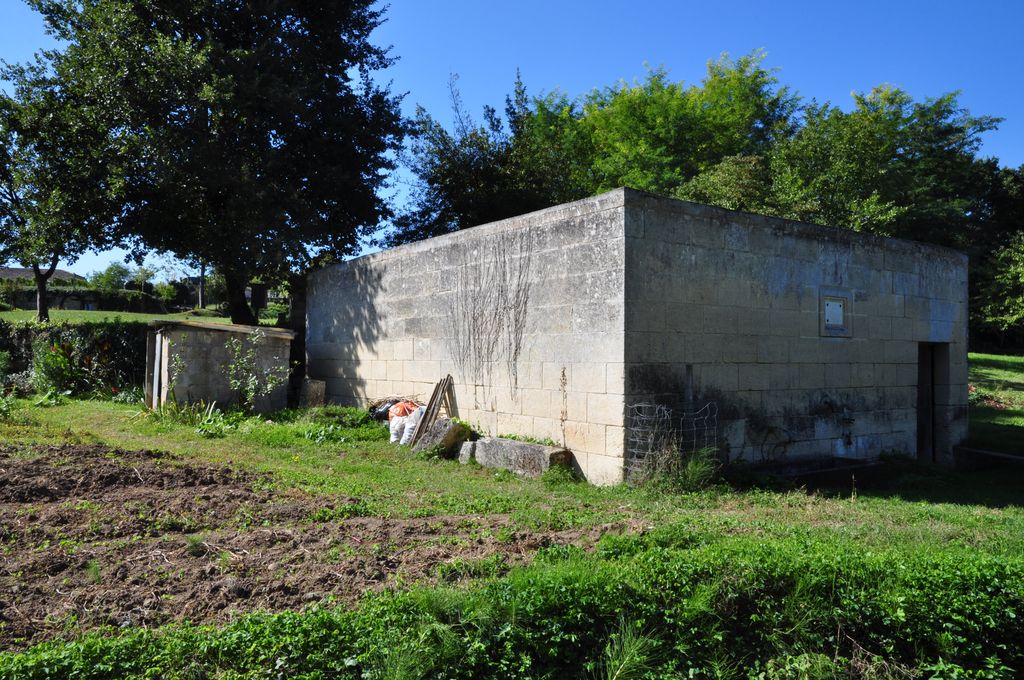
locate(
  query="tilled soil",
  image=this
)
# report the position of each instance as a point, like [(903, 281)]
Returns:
[(93, 537)]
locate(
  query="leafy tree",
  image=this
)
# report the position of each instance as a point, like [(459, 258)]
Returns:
[(141, 277), (167, 292), (737, 183), (891, 166), (997, 274), (1000, 305), (657, 135), (1002, 207), (482, 173), (111, 279), (252, 132), (57, 181)]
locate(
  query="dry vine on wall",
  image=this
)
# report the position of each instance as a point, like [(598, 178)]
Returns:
[(487, 309)]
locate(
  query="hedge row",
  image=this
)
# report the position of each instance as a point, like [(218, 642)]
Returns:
[(734, 607), (115, 351)]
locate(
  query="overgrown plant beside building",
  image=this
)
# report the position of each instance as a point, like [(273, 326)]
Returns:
[(55, 367), (673, 470), (246, 378)]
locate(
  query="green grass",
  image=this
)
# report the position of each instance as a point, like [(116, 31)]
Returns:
[(997, 408), (978, 509), (920, 575), (80, 316), (995, 429), (1001, 376), (728, 608)]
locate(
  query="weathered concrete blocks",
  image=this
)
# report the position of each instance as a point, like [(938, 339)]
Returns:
[(522, 458), (621, 296), (605, 409), (190, 361)]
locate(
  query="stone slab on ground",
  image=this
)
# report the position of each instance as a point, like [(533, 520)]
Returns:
[(445, 435), (522, 458)]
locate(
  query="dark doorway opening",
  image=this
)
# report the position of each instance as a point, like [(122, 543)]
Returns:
[(932, 384), (926, 402)]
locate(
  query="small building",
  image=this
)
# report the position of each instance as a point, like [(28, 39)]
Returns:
[(66, 290), (190, 361), (777, 340)]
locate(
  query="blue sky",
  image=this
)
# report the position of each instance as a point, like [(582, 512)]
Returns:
[(824, 50)]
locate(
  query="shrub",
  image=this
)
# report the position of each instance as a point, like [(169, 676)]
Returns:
[(245, 376), (202, 312), (54, 367), (129, 395), (670, 469), (6, 407), (113, 353), (274, 311), (731, 607)]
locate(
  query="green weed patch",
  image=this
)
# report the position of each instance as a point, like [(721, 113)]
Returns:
[(726, 607)]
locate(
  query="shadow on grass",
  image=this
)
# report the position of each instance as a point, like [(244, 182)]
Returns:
[(1001, 363), (998, 486), (996, 383), (996, 429)]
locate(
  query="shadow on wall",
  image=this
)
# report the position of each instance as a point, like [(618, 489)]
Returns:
[(343, 325)]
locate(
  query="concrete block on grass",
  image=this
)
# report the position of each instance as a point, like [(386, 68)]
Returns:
[(522, 458), (445, 436)]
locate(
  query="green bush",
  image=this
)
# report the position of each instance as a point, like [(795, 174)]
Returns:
[(55, 367), (721, 607), (7, 406), (247, 379), (107, 353), (274, 311)]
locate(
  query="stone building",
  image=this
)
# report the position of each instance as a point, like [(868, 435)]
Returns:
[(189, 362), (807, 341)]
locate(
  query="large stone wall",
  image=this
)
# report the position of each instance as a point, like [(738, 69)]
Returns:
[(739, 298), (553, 323), (526, 314)]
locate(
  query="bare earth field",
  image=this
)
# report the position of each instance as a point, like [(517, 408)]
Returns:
[(91, 536)]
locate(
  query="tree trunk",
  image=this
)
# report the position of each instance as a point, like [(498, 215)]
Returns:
[(42, 301), (297, 323), (202, 285), (238, 307)]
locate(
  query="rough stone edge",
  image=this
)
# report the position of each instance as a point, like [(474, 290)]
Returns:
[(546, 456)]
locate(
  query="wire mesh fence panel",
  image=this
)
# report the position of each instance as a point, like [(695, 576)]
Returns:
[(699, 429), (653, 443), (650, 431)]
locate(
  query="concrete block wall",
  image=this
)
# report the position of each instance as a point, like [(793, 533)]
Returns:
[(552, 323), (737, 297), (526, 314), (191, 359)]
